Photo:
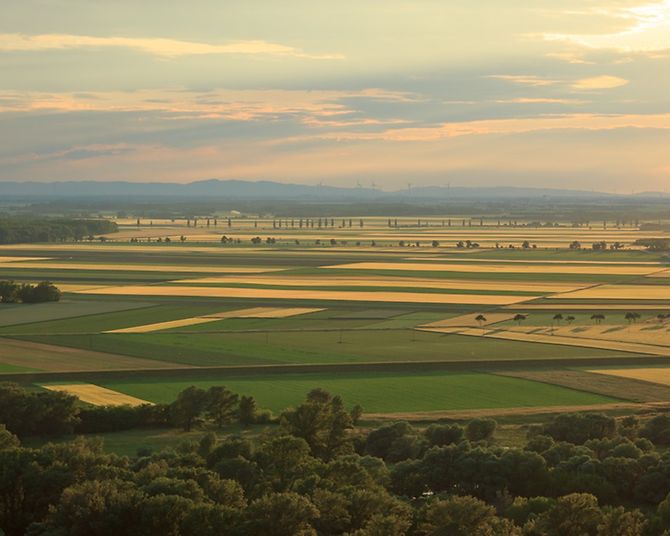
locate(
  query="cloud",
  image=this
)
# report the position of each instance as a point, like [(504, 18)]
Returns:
[(599, 82), (526, 80), (646, 29), (164, 48)]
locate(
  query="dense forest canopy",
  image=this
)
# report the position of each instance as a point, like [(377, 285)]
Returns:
[(316, 472), (23, 229)]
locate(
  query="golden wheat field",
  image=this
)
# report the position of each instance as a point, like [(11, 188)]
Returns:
[(499, 268), (295, 294), (366, 281), (655, 375), (96, 395), (620, 292)]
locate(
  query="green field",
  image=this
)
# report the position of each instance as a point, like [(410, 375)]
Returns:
[(379, 392), (356, 346)]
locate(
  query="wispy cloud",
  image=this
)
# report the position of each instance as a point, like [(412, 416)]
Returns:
[(525, 80), (164, 48), (599, 82)]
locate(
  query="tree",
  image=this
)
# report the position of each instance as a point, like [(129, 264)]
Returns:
[(435, 244), (577, 513), (480, 429), (464, 516), (518, 318), (281, 514), (557, 318), (323, 422), (248, 410), (632, 317), (570, 319), (598, 318), (222, 405), (481, 319), (189, 406)]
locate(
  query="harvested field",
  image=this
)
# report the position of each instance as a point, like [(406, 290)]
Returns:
[(22, 259), (653, 375), (619, 292), (470, 321), (598, 382), (67, 287), (602, 307), (96, 395), (146, 268), (184, 322), (462, 284), (432, 416), (256, 312), (545, 338), (54, 358), (547, 261), (646, 333), (268, 312), (499, 268), (321, 295)]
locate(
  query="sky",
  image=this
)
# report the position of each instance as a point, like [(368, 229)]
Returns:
[(382, 93)]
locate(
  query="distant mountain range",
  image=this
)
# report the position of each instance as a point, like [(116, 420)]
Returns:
[(268, 190)]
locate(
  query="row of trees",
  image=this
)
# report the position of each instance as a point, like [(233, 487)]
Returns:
[(32, 413), (11, 292), (316, 473), (16, 230)]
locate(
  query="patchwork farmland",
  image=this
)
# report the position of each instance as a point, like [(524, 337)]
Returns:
[(401, 320)]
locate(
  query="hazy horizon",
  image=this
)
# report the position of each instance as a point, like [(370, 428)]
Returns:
[(557, 95)]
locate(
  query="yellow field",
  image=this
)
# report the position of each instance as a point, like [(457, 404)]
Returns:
[(147, 328), (601, 307), (269, 312), (96, 395), (545, 338), (255, 312), (655, 375), (645, 333), (469, 321), (621, 292), (296, 294), (22, 259), (499, 268), (73, 287), (463, 284), (519, 261), (146, 267)]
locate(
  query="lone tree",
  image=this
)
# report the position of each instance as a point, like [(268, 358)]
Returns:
[(570, 319), (632, 317), (598, 318), (518, 318), (480, 320), (557, 318)]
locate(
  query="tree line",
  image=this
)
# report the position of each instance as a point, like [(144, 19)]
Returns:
[(318, 473), (11, 292), (19, 229)]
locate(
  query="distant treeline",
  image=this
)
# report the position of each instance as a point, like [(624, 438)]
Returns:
[(654, 244), (17, 230), (11, 292)]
